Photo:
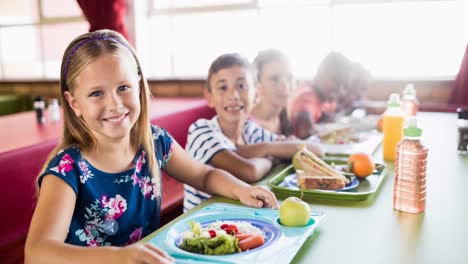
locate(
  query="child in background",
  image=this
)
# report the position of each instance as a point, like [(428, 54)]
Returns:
[(351, 96), (230, 141), (336, 90), (101, 186), (275, 83)]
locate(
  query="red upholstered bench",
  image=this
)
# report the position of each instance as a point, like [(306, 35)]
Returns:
[(19, 169), (25, 146)]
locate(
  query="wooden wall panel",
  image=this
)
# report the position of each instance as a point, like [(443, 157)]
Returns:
[(431, 92)]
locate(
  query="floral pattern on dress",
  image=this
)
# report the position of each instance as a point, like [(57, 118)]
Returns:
[(65, 165), (115, 206), (97, 217), (148, 185), (160, 132), (135, 236), (112, 209), (87, 174), (166, 157)]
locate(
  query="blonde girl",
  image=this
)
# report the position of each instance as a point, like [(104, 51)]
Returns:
[(100, 189)]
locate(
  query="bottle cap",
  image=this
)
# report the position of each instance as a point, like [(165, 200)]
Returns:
[(462, 113), (409, 89), (394, 100), (412, 130), (53, 103), (38, 102)]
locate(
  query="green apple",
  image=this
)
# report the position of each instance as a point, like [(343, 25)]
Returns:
[(294, 212)]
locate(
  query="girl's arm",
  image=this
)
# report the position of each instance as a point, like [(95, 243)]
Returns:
[(50, 225), (278, 149), (216, 181)]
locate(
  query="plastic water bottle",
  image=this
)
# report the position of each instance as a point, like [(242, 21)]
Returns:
[(54, 110), (409, 102), (393, 119), (409, 190)]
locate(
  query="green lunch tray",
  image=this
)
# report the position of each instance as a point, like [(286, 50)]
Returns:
[(364, 189)]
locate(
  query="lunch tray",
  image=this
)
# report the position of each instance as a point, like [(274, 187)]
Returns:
[(281, 242), (363, 191), (368, 145)]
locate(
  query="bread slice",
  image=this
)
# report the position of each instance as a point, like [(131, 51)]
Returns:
[(318, 182)]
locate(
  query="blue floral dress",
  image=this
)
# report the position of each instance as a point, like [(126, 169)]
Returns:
[(112, 208)]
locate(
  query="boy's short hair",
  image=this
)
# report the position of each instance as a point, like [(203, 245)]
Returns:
[(229, 60)]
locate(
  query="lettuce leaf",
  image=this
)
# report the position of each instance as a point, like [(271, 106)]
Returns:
[(221, 244)]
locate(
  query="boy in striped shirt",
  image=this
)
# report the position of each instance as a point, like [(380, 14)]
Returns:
[(229, 140)]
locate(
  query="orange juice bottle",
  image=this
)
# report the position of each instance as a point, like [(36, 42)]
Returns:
[(393, 119)]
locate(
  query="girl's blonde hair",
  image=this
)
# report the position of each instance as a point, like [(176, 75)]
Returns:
[(79, 53)]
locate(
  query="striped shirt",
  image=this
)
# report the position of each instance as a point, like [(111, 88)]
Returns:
[(205, 139)]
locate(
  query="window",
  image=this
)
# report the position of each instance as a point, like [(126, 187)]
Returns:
[(180, 38), (34, 35), (393, 39)]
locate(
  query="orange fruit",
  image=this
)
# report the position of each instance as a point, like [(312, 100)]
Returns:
[(380, 124), (361, 164)]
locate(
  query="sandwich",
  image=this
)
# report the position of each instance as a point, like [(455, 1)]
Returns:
[(316, 174)]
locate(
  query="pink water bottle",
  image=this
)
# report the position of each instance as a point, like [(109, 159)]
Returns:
[(409, 190), (409, 102)]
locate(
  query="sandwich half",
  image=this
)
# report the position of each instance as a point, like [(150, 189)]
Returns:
[(316, 174)]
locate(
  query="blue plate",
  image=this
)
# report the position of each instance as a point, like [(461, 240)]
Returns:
[(290, 181), (281, 242), (272, 233)]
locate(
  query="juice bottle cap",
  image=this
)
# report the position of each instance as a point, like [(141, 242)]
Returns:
[(409, 89), (412, 130), (394, 100)]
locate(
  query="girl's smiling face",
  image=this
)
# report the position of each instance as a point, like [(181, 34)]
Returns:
[(276, 82), (106, 96), (232, 93)]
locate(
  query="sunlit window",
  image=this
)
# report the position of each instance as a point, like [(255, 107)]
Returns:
[(179, 38), (34, 35), (393, 39), (403, 39)]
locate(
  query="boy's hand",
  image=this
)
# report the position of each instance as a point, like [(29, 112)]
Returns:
[(257, 196)]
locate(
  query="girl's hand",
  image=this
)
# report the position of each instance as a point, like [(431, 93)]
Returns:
[(257, 196), (142, 253)]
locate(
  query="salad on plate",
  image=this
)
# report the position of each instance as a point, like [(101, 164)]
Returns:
[(221, 237)]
